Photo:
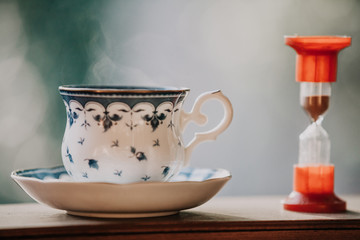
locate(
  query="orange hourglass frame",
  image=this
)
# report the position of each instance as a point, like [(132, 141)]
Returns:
[(316, 65)]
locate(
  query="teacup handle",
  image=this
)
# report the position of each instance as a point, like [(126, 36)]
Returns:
[(201, 119)]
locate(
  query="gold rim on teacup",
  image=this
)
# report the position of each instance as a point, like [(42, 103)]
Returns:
[(121, 89)]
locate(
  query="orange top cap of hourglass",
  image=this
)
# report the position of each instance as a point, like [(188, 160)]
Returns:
[(316, 59)]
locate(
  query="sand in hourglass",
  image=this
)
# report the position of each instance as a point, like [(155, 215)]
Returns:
[(316, 106)]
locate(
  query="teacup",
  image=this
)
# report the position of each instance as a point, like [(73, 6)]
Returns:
[(128, 134)]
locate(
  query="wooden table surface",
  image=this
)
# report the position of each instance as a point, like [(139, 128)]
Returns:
[(260, 217)]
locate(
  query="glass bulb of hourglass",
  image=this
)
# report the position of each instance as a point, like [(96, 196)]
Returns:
[(314, 174), (314, 145), (315, 98), (314, 142)]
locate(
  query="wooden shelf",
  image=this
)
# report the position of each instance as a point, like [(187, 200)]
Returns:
[(260, 217)]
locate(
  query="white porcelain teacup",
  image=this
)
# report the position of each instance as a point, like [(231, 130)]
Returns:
[(131, 134)]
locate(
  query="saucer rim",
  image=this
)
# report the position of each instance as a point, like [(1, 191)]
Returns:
[(14, 175)]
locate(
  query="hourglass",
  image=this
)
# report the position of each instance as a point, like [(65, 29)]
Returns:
[(316, 65)]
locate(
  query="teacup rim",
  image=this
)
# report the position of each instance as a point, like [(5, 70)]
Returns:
[(121, 89)]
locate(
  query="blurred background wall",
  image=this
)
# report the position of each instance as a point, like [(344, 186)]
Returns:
[(236, 46)]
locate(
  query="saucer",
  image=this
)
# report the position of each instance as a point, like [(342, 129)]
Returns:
[(54, 187)]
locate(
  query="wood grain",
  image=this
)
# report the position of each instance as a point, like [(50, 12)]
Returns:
[(220, 218)]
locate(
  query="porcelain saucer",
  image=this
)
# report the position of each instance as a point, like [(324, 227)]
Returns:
[(54, 187)]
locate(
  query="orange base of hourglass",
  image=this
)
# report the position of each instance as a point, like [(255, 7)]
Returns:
[(314, 191)]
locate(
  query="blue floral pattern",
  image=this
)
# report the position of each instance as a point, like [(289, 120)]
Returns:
[(107, 120), (72, 116), (156, 143), (155, 119), (115, 143), (139, 155), (81, 141), (166, 171), (146, 178), (68, 155), (117, 173), (92, 163)]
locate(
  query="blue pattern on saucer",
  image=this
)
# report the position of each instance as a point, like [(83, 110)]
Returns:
[(186, 174), (41, 173)]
